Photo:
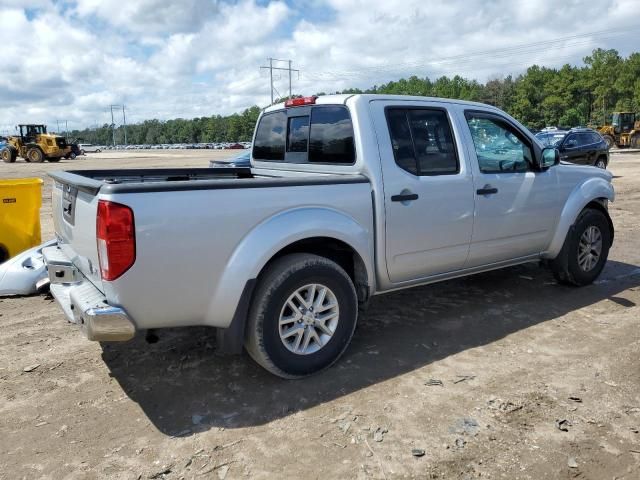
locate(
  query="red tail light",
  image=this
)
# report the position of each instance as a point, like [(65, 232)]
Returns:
[(116, 236), (297, 102)]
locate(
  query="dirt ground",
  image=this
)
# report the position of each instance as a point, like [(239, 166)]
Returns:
[(499, 375)]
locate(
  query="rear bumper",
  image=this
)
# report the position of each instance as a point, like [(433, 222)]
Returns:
[(83, 303)]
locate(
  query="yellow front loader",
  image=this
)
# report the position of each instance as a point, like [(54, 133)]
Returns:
[(35, 145), (624, 130)]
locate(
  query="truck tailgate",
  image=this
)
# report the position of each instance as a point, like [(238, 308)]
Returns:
[(74, 217)]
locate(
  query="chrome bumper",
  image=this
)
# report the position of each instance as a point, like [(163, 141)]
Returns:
[(84, 304)]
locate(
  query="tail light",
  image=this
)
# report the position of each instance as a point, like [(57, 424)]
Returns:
[(116, 236)]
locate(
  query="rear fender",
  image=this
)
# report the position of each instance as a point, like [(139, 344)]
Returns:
[(272, 235), (586, 192)]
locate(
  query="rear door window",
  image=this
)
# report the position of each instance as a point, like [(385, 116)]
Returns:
[(422, 141)]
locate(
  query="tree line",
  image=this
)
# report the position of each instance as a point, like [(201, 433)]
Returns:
[(541, 96)]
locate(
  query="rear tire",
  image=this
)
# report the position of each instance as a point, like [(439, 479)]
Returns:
[(284, 335), (635, 141), (35, 155), (610, 141), (72, 156), (601, 162), (585, 249), (9, 154)]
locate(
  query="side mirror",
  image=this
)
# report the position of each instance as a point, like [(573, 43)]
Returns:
[(550, 157)]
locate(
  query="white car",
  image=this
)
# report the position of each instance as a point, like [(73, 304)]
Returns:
[(89, 148)]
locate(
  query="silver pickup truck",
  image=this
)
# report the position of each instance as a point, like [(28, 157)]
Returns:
[(349, 196)]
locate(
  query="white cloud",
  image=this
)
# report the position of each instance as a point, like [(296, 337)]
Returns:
[(201, 57)]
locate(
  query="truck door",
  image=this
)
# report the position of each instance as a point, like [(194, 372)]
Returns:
[(516, 207), (428, 189)]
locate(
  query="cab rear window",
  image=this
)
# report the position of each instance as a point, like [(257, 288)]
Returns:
[(320, 134)]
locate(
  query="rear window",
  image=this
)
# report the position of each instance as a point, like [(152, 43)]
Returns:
[(269, 143), (320, 134), (331, 136)]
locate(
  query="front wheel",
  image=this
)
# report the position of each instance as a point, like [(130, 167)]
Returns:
[(35, 155), (601, 163), (585, 249), (302, 317), (610, 141)]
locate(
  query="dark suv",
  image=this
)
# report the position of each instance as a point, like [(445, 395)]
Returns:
[(578, 145)]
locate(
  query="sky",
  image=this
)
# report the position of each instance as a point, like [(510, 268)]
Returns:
[(70, 60)]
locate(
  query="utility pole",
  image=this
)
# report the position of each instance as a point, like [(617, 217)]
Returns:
[(124, 122), (272, 68), (66, 128), (113, 130), (58, 123), (289, 78)]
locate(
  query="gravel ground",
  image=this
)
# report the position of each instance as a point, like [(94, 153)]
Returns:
[(500, 375)]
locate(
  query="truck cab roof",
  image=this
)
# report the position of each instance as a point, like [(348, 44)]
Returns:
[(341, 99)]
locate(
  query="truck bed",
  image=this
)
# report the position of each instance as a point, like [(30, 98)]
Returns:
[(179, 179), (200, 231)]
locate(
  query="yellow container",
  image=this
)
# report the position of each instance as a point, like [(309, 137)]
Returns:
[(20, 201)]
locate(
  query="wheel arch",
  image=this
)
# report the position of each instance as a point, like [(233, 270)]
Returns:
[(320, 231), (593, 193)]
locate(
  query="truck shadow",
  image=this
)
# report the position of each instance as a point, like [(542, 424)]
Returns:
[(184, 388)]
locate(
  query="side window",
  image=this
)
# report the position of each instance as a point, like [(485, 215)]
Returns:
[(571, 141), (331, 136), (269, 144), (422, 141), (500, 148), (594, 137), (401, 140)]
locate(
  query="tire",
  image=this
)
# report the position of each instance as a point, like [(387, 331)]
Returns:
[(35, 155), (610, 141), (566, 267), (267, 341), (635, 141), (8, 154), (601, 162), (82, 152), (72, 156), (98, 151)]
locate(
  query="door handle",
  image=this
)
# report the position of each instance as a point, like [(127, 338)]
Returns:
[(487, 190), (404, 197)]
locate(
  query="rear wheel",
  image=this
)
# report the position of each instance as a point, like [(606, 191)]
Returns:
[(609, 140), (72, 155), (8, 154), (635, 141), (35, 155), (585, 249), (302, 317), (601, 162)]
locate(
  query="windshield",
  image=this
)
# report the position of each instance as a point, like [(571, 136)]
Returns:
[(551, 139)]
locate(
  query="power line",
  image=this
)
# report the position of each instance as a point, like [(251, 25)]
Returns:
[(271, 68), (531, 47)]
